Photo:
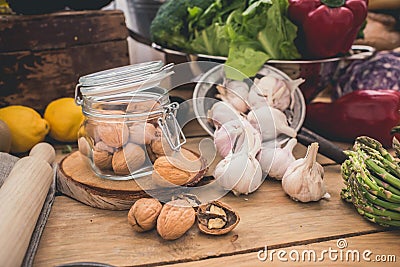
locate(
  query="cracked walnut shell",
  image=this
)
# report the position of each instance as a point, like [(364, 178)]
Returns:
[(144, 213), (216, 218), (175, 219)]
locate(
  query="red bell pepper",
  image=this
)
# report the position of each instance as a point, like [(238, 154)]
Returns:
[(327, 27), (364, 112)]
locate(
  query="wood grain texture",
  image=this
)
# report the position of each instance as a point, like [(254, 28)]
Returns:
[(384, 246), (76, 179), (76, 232), (22, 197), (60, 30), (34, 78)]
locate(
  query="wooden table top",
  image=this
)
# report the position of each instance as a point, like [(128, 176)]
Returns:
[(79, 233)]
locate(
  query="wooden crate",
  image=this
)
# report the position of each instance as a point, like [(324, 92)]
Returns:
[(42, 56)]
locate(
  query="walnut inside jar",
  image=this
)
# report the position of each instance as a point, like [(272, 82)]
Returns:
[(128, 159), (113, 134), (216, 218)]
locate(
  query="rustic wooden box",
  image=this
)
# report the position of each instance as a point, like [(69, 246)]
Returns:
[(42, 56)]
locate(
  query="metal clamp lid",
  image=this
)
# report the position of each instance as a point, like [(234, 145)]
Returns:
[(127, 79), (171, 128)]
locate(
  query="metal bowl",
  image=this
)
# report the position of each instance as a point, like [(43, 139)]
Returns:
[(206, 90), (317, 73)]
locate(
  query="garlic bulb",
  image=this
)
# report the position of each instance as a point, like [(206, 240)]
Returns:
[(271, 122), (221, 113), (275, 160), (230, 134), (240, 171), (234, 93), (272, 91), (303, 179)]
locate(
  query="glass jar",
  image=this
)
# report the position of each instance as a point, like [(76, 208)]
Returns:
[(129, 120)]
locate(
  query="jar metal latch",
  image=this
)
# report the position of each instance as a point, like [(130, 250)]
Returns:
[(170, 127)]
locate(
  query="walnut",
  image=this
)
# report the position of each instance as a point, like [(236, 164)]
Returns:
[(103, 146), (175, 219), (183, 168), (159, 144), (102, 159), (158, 147), (216, 218), (142, 133), (84, 145), (113, 134), (165, 173), (128, 159), (144, 213), (90, 129)]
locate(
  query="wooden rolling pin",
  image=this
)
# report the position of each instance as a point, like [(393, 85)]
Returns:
[(21, 199)]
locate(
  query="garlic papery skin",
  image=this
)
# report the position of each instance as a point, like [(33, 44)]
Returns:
[(272, 91), (303, 179), (240, 171), (228, 135), (234, 93), (222, 112), (271, 123), (274, 160)]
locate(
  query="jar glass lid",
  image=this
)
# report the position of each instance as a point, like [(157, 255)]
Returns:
[(137, 77)]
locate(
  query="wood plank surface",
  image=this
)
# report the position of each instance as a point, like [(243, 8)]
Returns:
[(60, 29), (384, 247), (33, 78), (76, 232)]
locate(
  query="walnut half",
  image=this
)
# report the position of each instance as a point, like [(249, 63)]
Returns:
[(216, 218)]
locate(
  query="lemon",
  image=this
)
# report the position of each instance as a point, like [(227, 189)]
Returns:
[(26, 125), (65, 118), (5, 137)]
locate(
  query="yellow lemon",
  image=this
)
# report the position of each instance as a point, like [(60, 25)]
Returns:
[(65, 118), (26, 125)]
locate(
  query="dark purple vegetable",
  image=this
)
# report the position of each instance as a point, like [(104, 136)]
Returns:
[(381, 71)]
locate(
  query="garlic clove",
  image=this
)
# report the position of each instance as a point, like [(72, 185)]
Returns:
[(274, 92), (234, 93), (274, 160), (240, 171), (271, 123), (303, 179), (231, 135), (222, 112)]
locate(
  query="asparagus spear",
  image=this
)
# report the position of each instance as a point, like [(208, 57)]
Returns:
[(364, 178), (368, 141), (382, 162), (359, 192), (346, 167), (382, 173), (391, 215), (372, 179), (378, 219), (386, 185)]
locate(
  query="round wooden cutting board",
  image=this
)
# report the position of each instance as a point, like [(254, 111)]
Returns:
[(76, 179)]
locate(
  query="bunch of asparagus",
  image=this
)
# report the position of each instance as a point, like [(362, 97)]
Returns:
[(372, 178)]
